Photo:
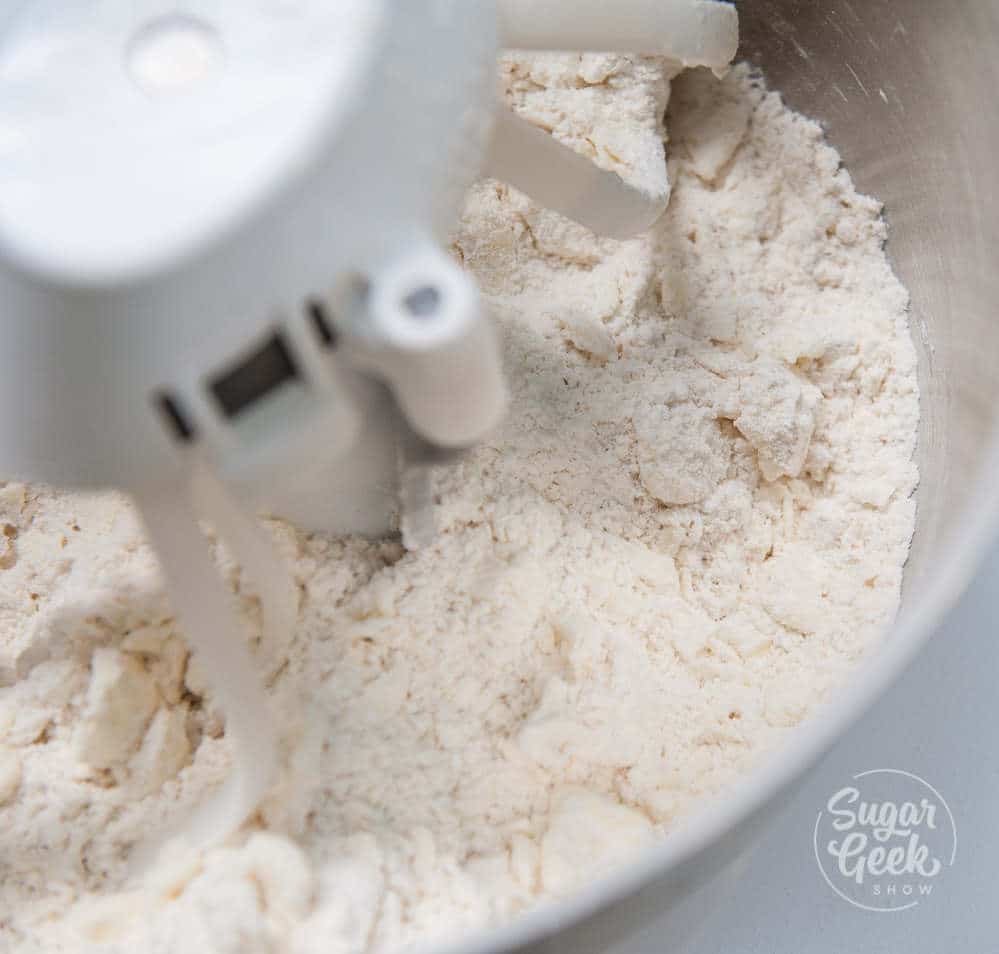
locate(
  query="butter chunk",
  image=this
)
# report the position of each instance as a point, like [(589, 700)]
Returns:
[(121, 700)]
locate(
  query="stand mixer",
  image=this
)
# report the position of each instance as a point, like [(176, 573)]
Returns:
[(221, 231)]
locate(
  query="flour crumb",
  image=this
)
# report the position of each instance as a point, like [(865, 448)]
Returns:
[(587, 833), (10, 774)]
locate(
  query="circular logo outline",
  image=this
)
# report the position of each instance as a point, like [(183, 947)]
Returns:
[(818, 858)]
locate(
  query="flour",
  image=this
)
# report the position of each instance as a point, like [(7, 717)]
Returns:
[(689, 530)]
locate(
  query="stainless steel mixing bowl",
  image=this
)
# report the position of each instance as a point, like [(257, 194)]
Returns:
[(905, 89)]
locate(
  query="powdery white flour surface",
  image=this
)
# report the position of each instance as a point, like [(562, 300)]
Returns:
[(688, 531)]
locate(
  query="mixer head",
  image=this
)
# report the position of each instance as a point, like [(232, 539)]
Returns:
[(222, 269)]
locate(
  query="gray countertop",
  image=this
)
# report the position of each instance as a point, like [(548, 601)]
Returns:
[(941, 722)]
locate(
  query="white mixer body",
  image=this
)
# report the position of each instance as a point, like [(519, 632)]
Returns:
[(213, 325)]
